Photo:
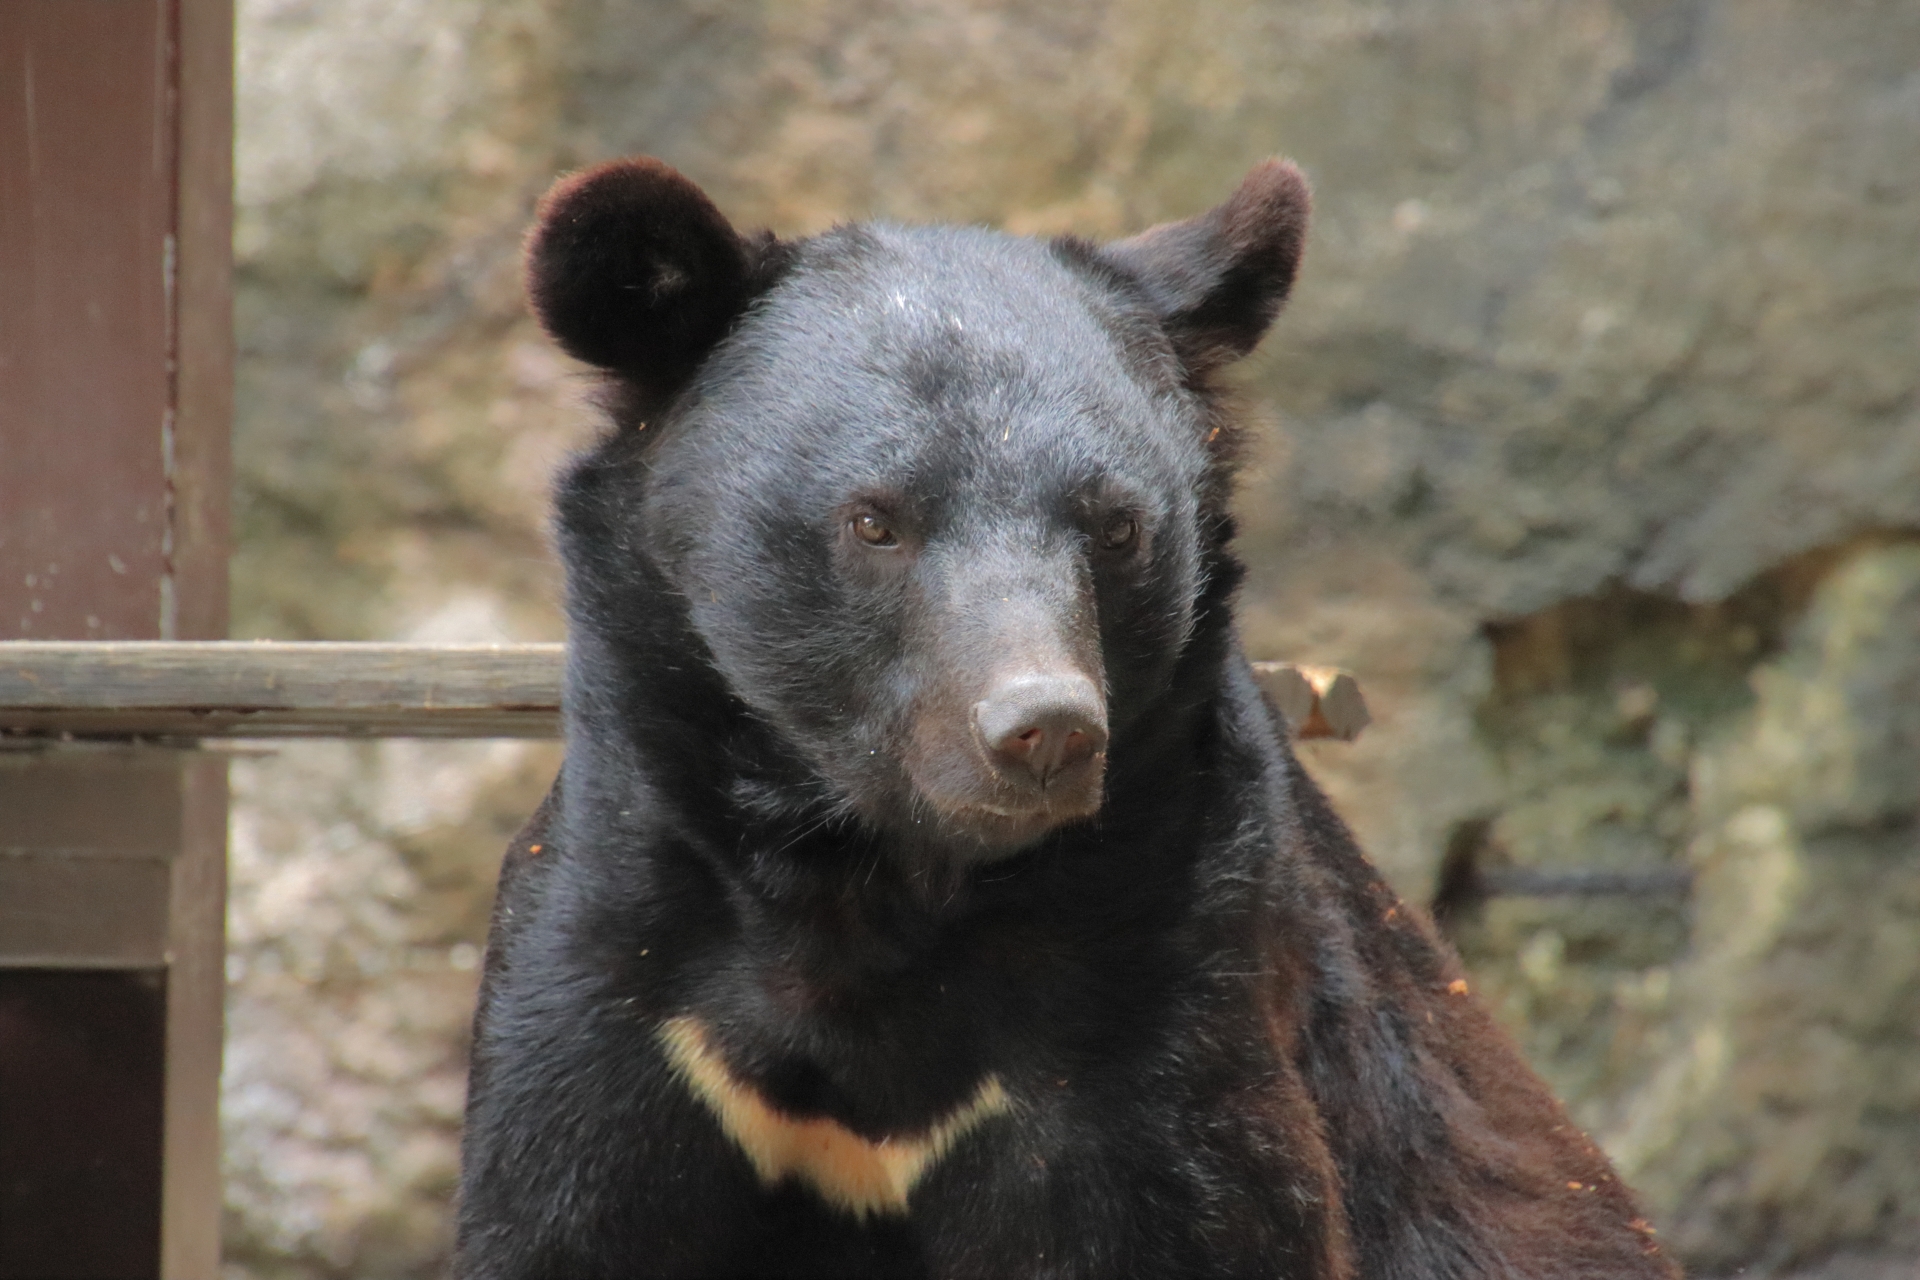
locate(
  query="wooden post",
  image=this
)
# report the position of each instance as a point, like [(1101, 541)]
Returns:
[(115, 393)]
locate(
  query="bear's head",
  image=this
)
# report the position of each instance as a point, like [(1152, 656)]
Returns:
[(937, 508)]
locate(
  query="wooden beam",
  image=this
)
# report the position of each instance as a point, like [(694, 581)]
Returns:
[(1318, 702), (264, 689), (116, 363), (271, 690)]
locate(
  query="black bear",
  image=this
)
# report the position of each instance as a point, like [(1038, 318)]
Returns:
[(929, 890)]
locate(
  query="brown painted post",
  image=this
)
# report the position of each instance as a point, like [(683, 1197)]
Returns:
[(115, 390)]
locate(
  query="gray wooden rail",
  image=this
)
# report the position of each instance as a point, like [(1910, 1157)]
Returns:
[(190, 690), (269, 689)]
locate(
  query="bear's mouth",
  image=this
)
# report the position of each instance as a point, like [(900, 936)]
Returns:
[(998, 778), (1002, 824)]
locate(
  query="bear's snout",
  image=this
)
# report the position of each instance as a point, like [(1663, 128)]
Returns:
[(1037, 726)]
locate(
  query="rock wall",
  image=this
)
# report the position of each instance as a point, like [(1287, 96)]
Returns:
[(1593, 446)]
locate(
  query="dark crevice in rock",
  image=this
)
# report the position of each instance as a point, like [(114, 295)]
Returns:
[(1666, 41)]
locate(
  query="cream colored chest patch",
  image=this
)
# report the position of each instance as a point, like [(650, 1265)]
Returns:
[(849, 1171)]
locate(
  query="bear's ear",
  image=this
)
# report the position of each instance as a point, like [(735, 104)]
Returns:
[(631, 268), (1217, 280)]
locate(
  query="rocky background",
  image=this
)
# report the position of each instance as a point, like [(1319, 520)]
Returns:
[(1592, 446)]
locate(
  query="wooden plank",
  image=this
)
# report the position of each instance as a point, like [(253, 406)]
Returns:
[(86, 841), (109, 802), (82, 913), (86, 230), (115, 410), (166, 724), (269, 689), (200, 480), (265, 689), (199, 453), (196, 951)]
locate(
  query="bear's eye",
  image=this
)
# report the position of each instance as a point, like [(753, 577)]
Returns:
[(1120, 531), (871, 531)]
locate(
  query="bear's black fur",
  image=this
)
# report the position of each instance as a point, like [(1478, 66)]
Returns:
[(928, 890)]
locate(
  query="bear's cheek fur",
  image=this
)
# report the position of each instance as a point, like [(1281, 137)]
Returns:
[(814, 655), (1144, 625), (895, 662)]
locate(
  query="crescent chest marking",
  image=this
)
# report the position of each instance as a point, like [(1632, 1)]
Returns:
[(848, 1171)]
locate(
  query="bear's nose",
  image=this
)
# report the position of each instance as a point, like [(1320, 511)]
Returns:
[(1042, 724)]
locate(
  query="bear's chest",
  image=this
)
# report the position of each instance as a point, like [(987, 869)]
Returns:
[(1021, 1175), (855, 1173)]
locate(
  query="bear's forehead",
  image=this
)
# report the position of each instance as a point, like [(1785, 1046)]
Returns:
[(938, 274), (897, 302), (918, 340)]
